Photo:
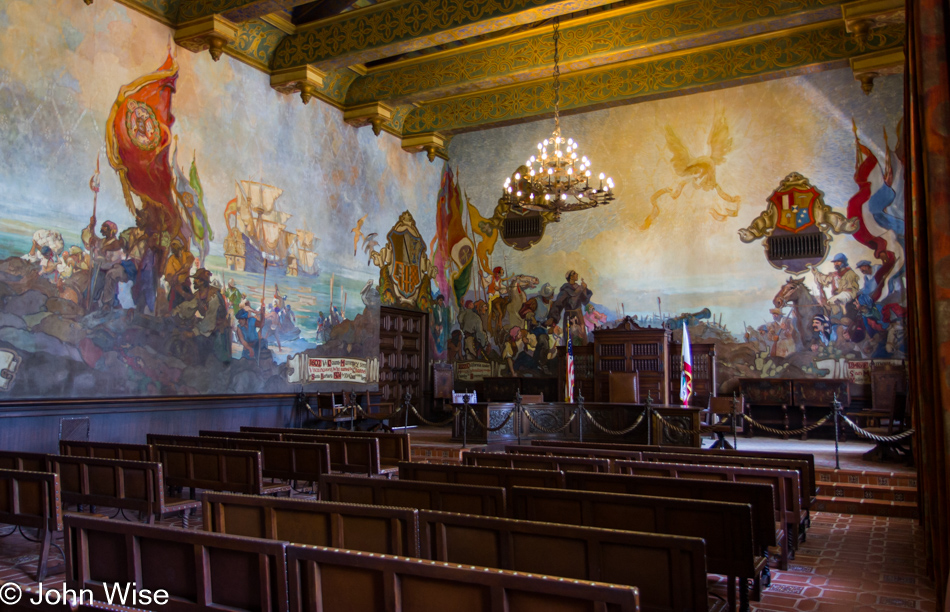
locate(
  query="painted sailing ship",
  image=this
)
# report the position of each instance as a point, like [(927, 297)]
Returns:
[(257, 233)]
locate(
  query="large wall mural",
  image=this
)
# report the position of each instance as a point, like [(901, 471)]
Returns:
[(704, 182), (174, 226)]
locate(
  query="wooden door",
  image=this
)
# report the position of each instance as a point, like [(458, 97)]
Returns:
[(403, 355)]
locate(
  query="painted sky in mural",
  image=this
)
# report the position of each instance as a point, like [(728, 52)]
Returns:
[(693, 171), (293, 181)]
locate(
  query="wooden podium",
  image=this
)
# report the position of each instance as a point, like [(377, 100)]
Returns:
[(627, 349)]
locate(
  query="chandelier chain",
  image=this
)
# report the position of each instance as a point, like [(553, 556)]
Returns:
[(557, 78)]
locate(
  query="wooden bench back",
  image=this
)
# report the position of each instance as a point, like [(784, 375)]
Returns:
[(559, 451), (797, 465), (358, 455), (115, 483), (392, 531), (106, 450), (784, 482), (393, 447), (333, 580), (30, 499), (726, 527), (809, 485), (304, 460), (240, 435), (536, 462), (670, 571), (463, 499), (505, 478), (217, 469), (760, 496), (23, 461), (199, 570)]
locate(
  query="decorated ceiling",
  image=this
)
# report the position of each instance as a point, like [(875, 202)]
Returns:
[(424, 70)]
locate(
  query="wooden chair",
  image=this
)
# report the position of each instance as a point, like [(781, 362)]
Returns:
[(721, 408), (896, 423), (624, 387)]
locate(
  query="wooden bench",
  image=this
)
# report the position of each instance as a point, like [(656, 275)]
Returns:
[(215, 469), (106, 450), (32, 500), (784, 483), (333, 580), (354, 455), (798, 466), (464, 499), (809, 486), (198, 570), (393, 531), (669, 571), (291, 461), (566, 451), (138, 486), (505, 478), (393, 447), (725, 527), (23, 461), (536, 462), (766, 533)]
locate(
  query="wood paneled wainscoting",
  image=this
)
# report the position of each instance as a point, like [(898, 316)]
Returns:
[(34, 425), (404, 357)]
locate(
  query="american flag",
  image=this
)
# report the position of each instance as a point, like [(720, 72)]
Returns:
[(569, 389)]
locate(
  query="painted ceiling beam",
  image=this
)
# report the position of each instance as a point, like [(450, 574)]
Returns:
[(630, 32), (400, 26), (235, 11), (799, 50)]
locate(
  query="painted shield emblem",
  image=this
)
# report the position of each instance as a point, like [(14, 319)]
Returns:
[(406, 272), (141, 125), (795, 208)]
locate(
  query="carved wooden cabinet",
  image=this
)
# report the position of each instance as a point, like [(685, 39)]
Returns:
[(646, 351)]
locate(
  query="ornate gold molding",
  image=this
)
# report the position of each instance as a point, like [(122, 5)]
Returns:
[(824, 44), (306, 81), (432, 143), (630, 32), (376, 114), (860, 17), (870, 66), (213, 33), (400, 26)]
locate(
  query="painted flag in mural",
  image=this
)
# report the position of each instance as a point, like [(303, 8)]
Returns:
[(569, 384), (138, 139), (489, 236), (686, 378), (440, 254), (202, 234), (878, 229)]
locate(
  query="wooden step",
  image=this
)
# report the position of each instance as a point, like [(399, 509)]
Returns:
[(856, 477), (867, 507), (869, 491)]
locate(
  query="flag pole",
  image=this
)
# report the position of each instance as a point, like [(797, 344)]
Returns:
[(263, 297)]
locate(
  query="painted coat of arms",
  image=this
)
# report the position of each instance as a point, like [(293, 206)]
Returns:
[(405, 269), (797, 225)]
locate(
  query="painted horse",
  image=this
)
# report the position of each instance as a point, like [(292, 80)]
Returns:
[(509, 305), (805, 306)]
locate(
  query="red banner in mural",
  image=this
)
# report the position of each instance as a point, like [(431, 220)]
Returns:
[(138, 135)]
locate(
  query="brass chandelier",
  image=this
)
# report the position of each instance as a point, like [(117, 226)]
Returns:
[(557, 179)]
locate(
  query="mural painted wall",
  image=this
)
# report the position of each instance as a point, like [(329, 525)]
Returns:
[(684, 238), (172, 225)]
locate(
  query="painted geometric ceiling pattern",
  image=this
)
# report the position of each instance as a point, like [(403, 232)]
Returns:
[(477, 64)]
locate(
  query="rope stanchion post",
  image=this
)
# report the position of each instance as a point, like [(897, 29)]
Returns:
[(735, 406), (649, 413), (580, 415), (518, 408), (465, 410), (836, 406), (406, 399)]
